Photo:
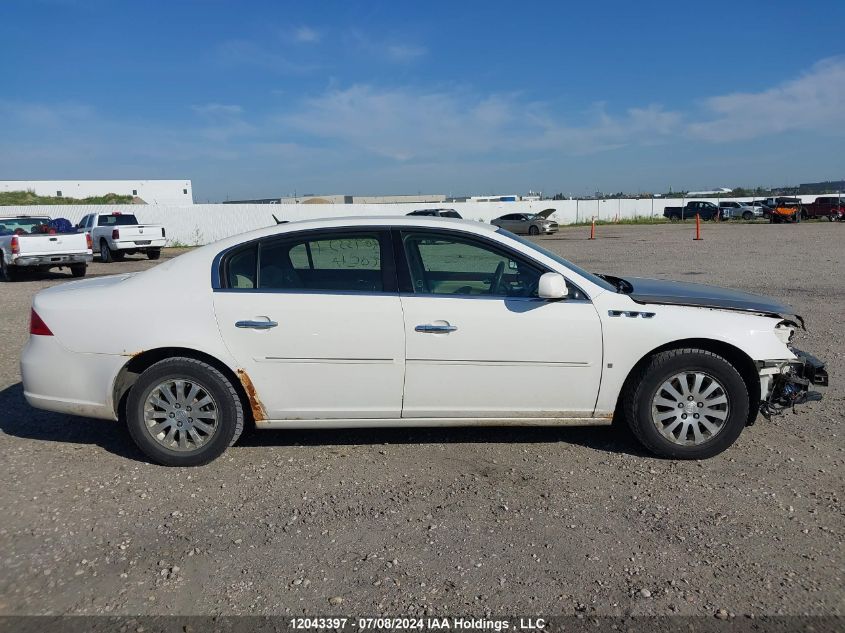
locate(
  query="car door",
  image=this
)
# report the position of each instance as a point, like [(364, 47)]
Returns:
[(480, 344), (314, 320)]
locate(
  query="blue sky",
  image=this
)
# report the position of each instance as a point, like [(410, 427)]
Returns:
[(259, 98)]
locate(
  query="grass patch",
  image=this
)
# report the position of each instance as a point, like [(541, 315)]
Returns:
[(26, 198)]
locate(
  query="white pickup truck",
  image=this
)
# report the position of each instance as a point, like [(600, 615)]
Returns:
[(23, 245), (117, 234)]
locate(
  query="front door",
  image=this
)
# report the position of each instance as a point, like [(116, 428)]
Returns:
[(479, 343), (315, 321)]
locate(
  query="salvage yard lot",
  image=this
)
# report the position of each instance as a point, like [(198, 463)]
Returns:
[(451, 521)]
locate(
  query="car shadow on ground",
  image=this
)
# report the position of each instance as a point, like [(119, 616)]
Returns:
[(21, 420), (18, 419)]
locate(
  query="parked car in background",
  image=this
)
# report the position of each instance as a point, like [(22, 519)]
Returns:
[(527, 223), (731, 210), (830, 207), (355, 322), (786, 211), (117, 234), (705, 210), (28, 243), (437, 213)]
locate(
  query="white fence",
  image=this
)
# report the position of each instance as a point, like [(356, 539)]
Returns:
[(203, 223)]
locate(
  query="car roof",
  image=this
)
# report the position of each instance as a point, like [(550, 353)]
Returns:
[(423, 221)]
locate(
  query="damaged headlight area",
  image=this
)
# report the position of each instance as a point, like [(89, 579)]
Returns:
[(785, 384)]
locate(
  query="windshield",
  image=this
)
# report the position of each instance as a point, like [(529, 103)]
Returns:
[(10, 225), (601, 283), (117, 220)]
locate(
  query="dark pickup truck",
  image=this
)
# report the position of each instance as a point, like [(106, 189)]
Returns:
[(705, 210), (830, 207)]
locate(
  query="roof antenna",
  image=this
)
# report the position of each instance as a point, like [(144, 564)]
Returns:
[(278, 221)]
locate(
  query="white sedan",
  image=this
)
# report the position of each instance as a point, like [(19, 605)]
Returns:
[(412, 321)]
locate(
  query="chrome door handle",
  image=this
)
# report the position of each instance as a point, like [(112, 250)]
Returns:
[(256, 325), (435, 329)]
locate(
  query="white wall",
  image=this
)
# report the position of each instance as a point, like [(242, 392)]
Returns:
[(204, 223), (151, 191)]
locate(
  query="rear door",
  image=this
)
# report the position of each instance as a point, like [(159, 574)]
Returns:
[(479, 343), (314, 320)]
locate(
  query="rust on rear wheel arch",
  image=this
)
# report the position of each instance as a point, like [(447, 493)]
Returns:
[(258, 411)]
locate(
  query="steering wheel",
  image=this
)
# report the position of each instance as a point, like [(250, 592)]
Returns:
[(497, 278)]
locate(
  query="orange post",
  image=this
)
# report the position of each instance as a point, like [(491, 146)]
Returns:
[(697, 227), (593, 230)]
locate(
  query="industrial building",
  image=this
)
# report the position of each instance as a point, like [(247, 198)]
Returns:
[(345, 199), (174, 192)]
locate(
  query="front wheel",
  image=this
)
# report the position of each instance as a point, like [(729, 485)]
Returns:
[(686, 404), (533, 230), (748, 216), (184, 412)]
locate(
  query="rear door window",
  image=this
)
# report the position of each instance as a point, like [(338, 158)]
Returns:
[(339, 261)]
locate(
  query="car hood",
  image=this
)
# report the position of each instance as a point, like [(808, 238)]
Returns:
[(700, 295), (545, 213)]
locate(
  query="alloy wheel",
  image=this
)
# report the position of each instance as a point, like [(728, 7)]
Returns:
[(181, 415), (690, 408)]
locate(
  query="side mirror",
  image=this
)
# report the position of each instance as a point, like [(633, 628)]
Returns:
[(552, 286)]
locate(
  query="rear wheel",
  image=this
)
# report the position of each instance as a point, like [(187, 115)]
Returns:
[(106, 254), (78, 270), (686, 404), (154, 253), (184, 412), (7, 273)]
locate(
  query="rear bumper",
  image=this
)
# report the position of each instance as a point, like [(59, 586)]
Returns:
[(56, 379), (134, 245), (53, 260)]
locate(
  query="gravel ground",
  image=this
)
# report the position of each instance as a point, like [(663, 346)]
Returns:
[(530, 521)]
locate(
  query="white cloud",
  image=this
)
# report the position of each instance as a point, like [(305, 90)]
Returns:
[(306, 34), (241, 52), (815, 101), (404, 53), (217, 109)]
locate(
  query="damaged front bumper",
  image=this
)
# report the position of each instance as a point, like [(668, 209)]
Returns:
[(785, 384)]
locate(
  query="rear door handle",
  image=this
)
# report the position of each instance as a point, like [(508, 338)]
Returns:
[(256, 325), (429, 328)]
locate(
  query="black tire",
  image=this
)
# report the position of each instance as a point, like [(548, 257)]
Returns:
[(78, 270), (804, 215), (533, 230), (154, 253), (7, 273), (106, 254), (229, 407), (643, 386), (748, 216)]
